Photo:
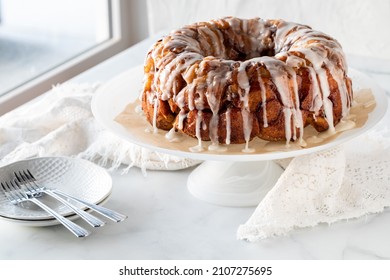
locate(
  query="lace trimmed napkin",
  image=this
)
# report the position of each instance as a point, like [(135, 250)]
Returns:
[(61, 123), (325, 187)]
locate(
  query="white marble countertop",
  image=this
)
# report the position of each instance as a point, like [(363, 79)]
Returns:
[(166, 222)]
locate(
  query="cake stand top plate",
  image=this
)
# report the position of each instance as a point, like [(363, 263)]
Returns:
[(112, 98)]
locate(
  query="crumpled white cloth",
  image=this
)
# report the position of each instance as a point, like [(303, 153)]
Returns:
[(60, 123), (345, 182)]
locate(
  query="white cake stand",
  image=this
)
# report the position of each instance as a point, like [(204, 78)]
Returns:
[(229, 179)]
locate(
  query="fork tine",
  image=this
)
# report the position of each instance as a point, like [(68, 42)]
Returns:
[(21, 177), (6, 190), (16, 189), (15, 192), (30, 178), (17, 177), (25, 178), (29, 174), (25, 175), (26, 185), (3, 187)]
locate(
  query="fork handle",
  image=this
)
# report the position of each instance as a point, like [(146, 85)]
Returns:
[(90, 219), (74, 228), (114, 216)]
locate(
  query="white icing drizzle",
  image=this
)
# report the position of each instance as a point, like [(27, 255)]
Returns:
[(247, 124), (173, 136), (138, 110), (213, 127), (328, 106), (156, 101), (317, 62), (316, 92), (280, 73), (198, 125), (182, 117), (243, 83), (218, 49), (263, 99), (228, 126), (287, 124), (217, 148), (281, 33), (173, 69), (196, 149), (248, 150)]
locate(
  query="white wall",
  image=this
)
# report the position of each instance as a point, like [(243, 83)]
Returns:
[(138, 20), (361, 26)]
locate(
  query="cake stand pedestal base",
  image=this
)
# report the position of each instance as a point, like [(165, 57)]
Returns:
[(234, 184)]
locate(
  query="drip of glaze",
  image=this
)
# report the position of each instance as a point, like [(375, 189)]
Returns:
[(196, 149), (328, 106), (138, 110), (173, 136), (263, 98), (155, 110), (247, 122), (248, 150), (317, 100), (198, 127), (182, 117), (243, 82), (228, 126), (292, 113), (287, 124), (217, 148)]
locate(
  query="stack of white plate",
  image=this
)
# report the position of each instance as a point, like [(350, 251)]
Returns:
[(77, 177)]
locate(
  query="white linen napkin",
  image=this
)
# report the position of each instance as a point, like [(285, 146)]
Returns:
[(345, 182), (61, 123)]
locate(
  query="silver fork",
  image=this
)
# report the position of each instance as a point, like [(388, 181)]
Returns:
[(16, 195), (36, 190), (108, 213)]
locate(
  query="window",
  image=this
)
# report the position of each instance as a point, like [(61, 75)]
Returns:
[(45, 42)]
